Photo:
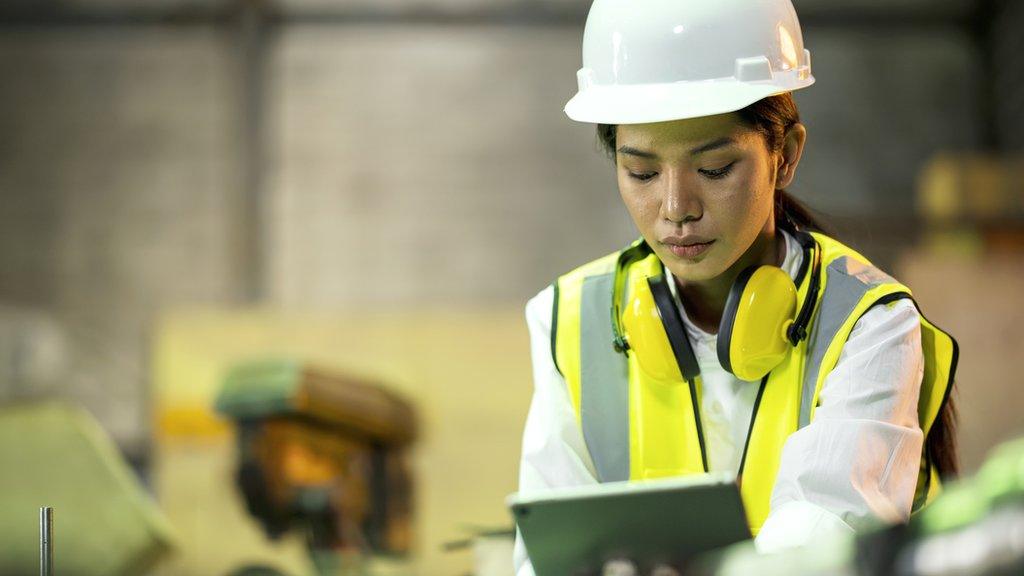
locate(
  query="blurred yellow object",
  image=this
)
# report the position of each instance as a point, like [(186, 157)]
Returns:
[(957, 187), (958, 243), (972, 204), (938, 196), (191, 422), (105, 524)]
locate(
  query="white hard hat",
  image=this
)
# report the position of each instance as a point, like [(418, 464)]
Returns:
[(657, 60)]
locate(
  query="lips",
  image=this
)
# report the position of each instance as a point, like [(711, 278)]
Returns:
[(688, 246)]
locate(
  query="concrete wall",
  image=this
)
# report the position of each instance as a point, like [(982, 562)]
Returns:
[(1008, 75), (421, 164), (118, 193)]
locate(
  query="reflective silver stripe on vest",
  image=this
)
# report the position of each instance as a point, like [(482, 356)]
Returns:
[(604, 383), (847, 282)]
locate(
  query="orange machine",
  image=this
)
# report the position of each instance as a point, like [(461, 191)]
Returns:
[(323, 453)]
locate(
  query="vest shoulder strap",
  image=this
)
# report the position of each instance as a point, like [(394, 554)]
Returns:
[(565, 317), (851, 285), (848, 272)]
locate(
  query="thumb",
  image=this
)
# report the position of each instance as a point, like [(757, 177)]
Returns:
[(619, 567)]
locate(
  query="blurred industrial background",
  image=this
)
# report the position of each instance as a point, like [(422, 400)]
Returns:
[(376, 187)]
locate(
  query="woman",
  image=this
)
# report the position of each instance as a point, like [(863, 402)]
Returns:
[(829, 397)]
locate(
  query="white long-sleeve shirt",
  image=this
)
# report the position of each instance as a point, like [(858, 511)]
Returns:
[(856, 461)]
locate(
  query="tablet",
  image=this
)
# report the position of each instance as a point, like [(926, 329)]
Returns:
[(573, 531)]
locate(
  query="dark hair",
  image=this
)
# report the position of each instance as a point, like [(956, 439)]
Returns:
[(773, 117)]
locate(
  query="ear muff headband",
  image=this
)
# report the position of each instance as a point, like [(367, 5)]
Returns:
[(629, 255), (674, 329), (812, 252)]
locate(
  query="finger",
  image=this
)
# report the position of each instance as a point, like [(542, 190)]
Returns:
[(664, 570), (620, 567)]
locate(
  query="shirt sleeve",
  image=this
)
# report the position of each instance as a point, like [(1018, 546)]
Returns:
[(554, 453), (857, 462)]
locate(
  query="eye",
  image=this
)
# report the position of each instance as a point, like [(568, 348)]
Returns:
[(643, 176), (718, 173)]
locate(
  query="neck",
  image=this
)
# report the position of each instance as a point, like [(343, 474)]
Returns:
[(704, 301)]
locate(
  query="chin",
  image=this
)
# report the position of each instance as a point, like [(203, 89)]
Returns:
[(702, 271)]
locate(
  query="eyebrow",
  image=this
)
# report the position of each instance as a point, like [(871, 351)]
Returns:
[(713, 145)]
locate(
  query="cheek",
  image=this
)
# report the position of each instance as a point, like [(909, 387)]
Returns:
[(642, 205), (743, 203)]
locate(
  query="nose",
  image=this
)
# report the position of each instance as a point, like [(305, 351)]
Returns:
[(681, 200)]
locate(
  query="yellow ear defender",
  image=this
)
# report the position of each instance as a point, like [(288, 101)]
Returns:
[(752, 337), (662, 348), (759, 324)]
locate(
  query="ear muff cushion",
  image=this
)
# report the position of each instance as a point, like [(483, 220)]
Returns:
[(725, 327), (674, 328)]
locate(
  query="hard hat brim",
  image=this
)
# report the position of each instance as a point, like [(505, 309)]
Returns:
[(647, 103)]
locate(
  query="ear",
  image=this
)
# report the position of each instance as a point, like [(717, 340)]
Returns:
[(792, 149)]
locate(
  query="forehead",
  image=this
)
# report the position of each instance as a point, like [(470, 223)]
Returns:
[(679, 136)]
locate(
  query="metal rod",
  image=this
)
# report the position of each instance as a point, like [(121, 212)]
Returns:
[(46, 541)]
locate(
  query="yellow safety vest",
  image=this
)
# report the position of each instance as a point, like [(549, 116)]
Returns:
[(637, 429)]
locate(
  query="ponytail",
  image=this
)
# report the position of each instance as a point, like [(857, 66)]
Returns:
[(792, 215), (941, 444)]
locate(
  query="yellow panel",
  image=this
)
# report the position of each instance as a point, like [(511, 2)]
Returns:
[(567, 343), (939, 346), (662, 433), (464, 370), (776, 418)]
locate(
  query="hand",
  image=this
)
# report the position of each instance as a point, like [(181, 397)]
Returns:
[(624, 567), (619, 567)]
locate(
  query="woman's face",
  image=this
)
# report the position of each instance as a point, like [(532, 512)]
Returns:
[(699, 190)]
